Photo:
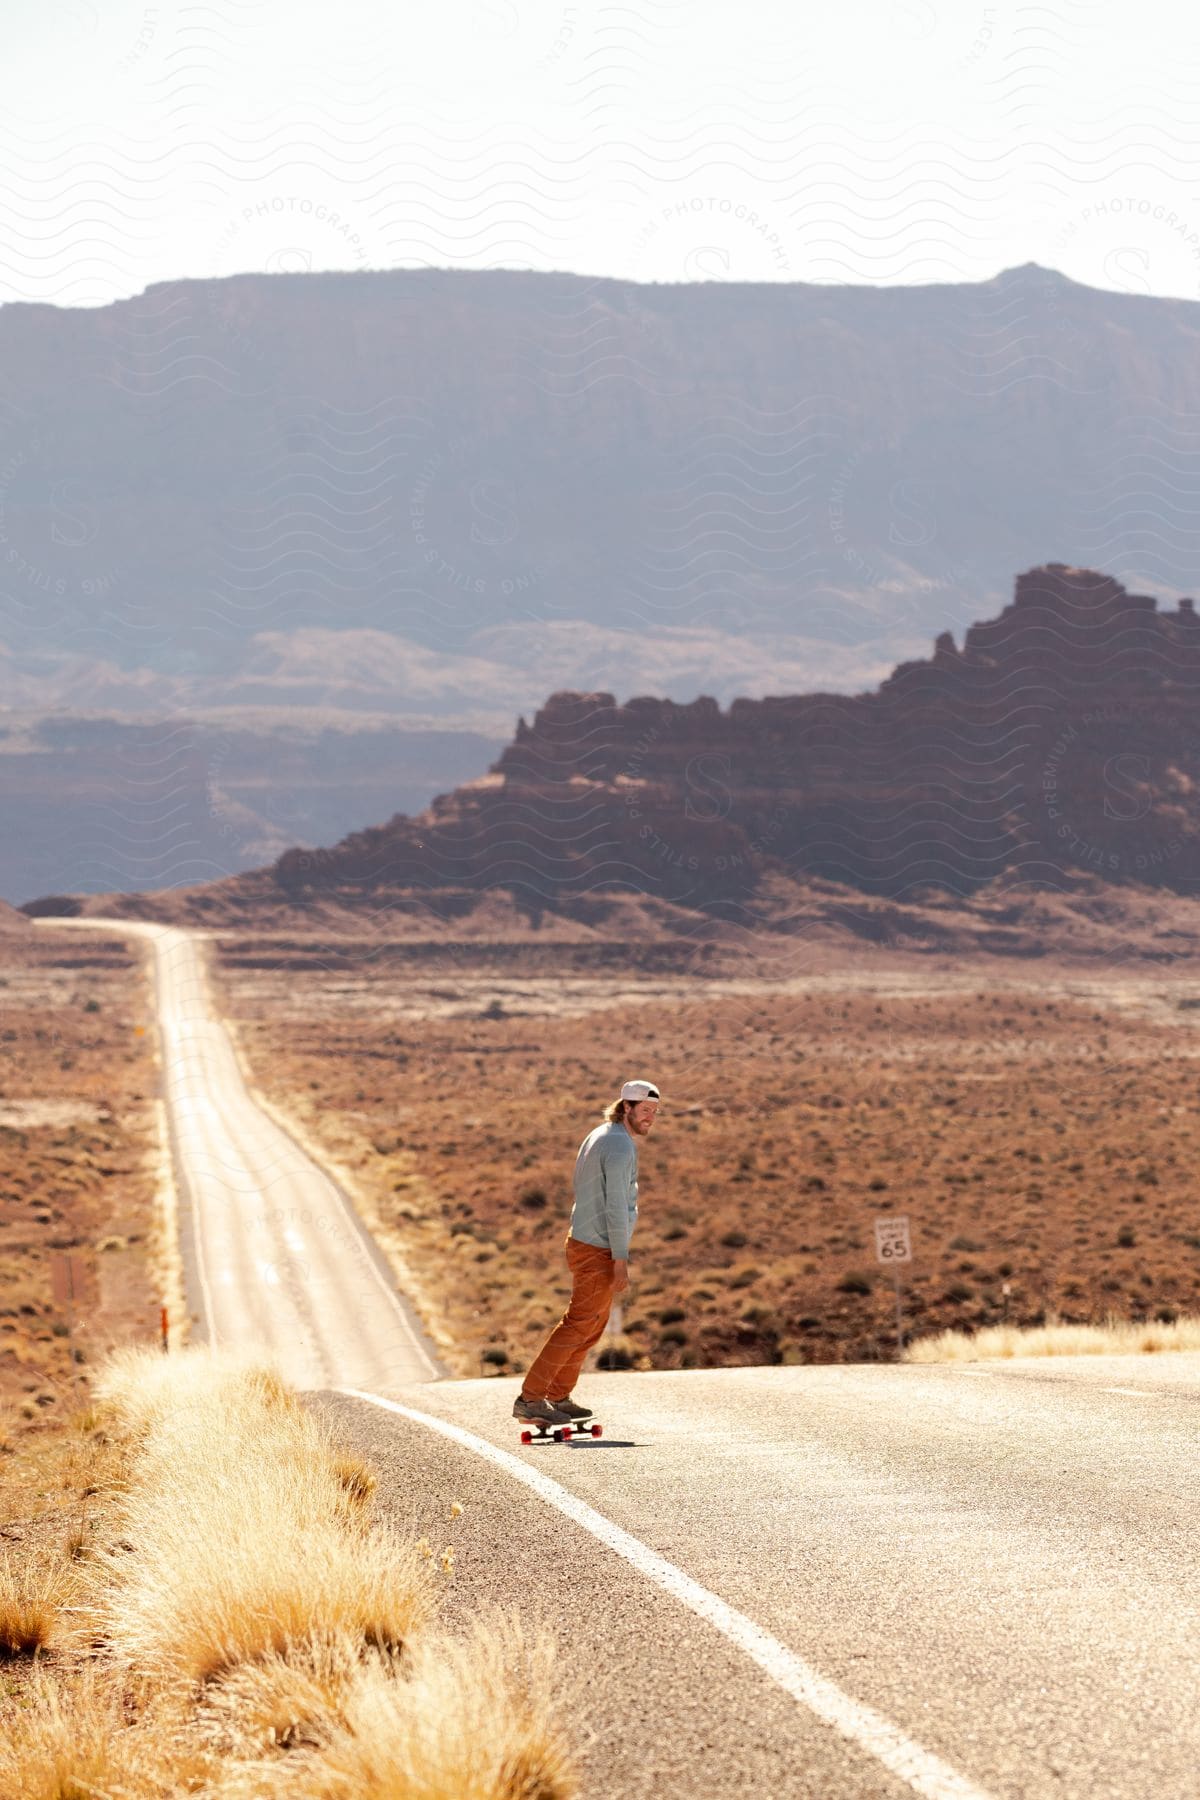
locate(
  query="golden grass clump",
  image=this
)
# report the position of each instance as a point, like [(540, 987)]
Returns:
[(63, 1744), (245, 1631), (356, 1477), (31, 1597), (75, 1738), (144, 1389), (248, 1537), (284, 1700), (1116, 1337), (459, 1719)]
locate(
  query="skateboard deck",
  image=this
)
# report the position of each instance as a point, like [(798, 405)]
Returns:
[(561, 1434)]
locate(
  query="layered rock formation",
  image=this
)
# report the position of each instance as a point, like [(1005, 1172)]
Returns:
[(1062, 739)]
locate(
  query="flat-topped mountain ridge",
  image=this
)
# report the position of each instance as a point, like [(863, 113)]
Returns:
[(193, 476), (264, 536)]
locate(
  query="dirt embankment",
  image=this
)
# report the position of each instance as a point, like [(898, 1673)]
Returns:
[(79, 1163)]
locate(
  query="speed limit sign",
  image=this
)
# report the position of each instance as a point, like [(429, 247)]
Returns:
[(892, 1243)]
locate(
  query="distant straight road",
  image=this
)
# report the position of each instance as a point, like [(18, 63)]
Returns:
[(274, 1255), (972, 1582)]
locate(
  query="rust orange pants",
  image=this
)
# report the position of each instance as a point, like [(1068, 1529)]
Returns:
[(555, 1369)]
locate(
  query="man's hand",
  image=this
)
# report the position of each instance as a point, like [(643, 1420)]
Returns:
[(620, 1276)]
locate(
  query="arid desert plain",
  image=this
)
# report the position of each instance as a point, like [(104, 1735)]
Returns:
[(1037, 1127)]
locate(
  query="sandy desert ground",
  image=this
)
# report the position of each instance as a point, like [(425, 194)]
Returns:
[(1037, 1125), (78, 1173)]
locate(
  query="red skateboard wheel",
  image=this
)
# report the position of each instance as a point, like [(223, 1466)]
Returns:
[(563, 1436), (527, 1437), (597, 1430)]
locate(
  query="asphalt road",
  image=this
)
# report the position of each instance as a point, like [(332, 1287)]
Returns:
[(839, 1583), (999, 1565), (274, 1256)]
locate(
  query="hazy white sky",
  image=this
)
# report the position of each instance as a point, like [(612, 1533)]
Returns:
[(873, 141)]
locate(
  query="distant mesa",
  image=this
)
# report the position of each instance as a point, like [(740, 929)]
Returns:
[(1063, 738), (1060, 742)]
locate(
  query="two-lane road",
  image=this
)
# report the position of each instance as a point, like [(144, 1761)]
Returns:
[(998, 1565), (275, 1258)]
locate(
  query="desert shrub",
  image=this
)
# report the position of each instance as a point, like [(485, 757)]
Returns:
[(1127, 1237), (53, 906), (533, 1198), (356, 1478), (671, 1315), (854, 1283), (734, 1240), (29, 1603)]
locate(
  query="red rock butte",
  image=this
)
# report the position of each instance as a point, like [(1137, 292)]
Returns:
[(1063, 737), (1058, 746)]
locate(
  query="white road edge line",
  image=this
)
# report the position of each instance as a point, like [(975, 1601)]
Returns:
[(925, 1773)]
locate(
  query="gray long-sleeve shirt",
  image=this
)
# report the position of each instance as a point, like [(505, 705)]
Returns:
[(605, 1209)]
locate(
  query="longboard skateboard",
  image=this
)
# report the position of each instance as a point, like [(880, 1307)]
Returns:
[(562, 1434)]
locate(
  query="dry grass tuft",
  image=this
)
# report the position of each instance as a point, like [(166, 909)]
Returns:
[(63, 1745), (30, 1600), (78, 1739), (284, 1702), (261, 1638), (358, 1480), (463, 1720), (247, 1530), (144, 1390), (1117, 1337)]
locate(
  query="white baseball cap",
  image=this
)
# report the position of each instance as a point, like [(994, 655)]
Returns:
[(633, 1091)]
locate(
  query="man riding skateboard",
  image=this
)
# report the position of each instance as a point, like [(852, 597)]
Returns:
[(602, 1221)]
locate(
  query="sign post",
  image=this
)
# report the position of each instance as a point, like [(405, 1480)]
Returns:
[(66, 1286), (893, 1246)]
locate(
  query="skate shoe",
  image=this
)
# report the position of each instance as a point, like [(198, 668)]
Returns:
[(573, 1410), (538, 1412)]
